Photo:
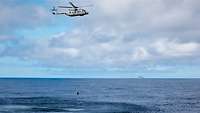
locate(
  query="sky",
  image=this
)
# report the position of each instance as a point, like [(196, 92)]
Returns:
[(118, 39)]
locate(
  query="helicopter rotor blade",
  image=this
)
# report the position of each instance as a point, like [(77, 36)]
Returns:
[(87, 6), (65, 7), (73, 5)]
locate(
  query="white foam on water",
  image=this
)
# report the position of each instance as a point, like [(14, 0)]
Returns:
[(73, 109), (14, 107)]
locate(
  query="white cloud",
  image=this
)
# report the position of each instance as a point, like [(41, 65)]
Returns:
[(117, 33), (114, 8), (159, 68), (152, 17), (176, 49), (141, 54), (71, 52)]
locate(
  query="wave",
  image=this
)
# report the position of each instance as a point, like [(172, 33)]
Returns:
[(59, 105)]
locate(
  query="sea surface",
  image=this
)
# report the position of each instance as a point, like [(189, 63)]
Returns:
[(100, 95)]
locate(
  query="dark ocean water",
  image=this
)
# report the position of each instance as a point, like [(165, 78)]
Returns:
[(100, 96)]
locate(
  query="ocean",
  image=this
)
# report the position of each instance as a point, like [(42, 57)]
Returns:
[(99, 95)]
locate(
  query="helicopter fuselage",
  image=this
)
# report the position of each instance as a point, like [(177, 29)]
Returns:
[(76, 12), (72, 12)]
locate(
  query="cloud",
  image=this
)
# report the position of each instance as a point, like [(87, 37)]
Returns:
[(116, 34), (17, 15), (141, 54), (76, 49), (155, 18), (176, 49)]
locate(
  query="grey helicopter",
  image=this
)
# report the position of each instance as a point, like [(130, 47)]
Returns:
[(71, 11)]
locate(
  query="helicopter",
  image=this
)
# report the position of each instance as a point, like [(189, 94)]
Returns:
[(71, 11)]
